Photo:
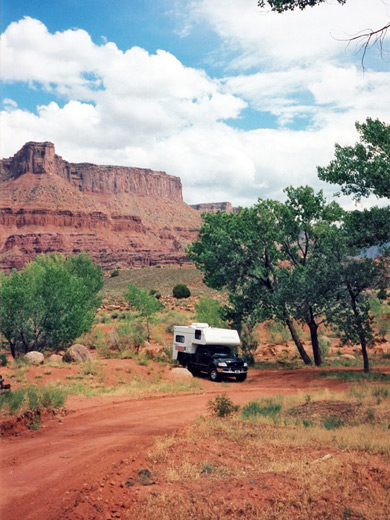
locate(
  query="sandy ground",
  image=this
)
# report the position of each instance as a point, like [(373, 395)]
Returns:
[(44, 471)]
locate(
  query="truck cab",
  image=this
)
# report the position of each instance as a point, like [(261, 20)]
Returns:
[(204, 349)]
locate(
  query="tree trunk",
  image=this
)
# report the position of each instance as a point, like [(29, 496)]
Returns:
[(13, 351), (366, 363), (297, 341), (314, 341)]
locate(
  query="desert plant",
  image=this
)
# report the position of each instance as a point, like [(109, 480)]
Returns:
[(222, 406), (114, 273), (180, 291), (3, 360)]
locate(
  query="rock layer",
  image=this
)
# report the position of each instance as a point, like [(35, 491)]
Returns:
[(119, 215)]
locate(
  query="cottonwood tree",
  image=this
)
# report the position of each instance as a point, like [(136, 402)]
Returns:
[(238, 252), (267, 258), (362, 169), (50, 302)]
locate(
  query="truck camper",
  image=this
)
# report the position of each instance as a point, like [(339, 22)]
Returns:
[(201, 348)]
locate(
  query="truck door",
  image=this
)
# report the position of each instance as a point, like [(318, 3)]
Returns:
[(204, 358)]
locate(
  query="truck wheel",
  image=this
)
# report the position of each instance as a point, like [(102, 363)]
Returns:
[(241, 378), (213, 374)]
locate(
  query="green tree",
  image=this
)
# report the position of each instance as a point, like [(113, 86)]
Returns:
[(50, 302), (145, 304), (363, 169), (240, 252), (209, 311)]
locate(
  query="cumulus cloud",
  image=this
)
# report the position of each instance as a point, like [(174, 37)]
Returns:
[(144, 109)]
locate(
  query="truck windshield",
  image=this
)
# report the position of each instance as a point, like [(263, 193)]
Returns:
[(220, 351)]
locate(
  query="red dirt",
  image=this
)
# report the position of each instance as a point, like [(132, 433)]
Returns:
[(47, 474)]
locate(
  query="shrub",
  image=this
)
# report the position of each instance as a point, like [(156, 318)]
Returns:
[(114, 273), (222, 406), (181, 291), (155, 293), (332, 422), (3, 360), (382, 294)]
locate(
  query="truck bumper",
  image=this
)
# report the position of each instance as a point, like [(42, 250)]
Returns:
[(229, 372)]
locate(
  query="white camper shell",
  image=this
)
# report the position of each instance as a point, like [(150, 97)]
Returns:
[(187, 338)]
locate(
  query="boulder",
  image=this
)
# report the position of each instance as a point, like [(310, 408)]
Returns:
[(77, 353), (55, 358), (348, 356), (181, 373), (35, 358)]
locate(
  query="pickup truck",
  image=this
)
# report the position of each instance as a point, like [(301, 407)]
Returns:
[(201, 348)]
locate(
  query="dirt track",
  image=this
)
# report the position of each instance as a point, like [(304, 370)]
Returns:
[(43, 471)]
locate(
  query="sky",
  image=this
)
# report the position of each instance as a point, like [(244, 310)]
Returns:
[(237, 101)]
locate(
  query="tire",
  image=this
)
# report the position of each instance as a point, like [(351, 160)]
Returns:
[(213, 374), (241, 378)]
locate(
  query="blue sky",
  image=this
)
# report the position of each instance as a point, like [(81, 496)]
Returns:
[(237, 101)]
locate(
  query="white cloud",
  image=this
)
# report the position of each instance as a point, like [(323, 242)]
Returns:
[(149, 110)]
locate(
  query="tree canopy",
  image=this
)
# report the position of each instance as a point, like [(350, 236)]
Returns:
[(363, 169), (50, 302), (289, 5)]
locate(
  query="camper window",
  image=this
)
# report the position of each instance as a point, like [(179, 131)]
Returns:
[(198, 334), (180, 339)]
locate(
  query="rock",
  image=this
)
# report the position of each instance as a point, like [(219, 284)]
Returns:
[(120, 216), (55, 358), (77, 353), (35, 358), (181, 373), (348, 356)]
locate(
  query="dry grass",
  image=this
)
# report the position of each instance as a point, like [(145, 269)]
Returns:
[(230, 468)]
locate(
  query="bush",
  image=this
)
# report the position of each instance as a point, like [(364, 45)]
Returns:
[(222, 406), (181, 291), (332, 422), (3, 360), (155, 293), (114, 273)]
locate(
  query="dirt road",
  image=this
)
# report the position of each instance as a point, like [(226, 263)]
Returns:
[(43, 471)]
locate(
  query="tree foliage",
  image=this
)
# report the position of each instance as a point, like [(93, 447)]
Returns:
[(363, 169), (268, 257), (144, 303), (289, 5), (50, 302)]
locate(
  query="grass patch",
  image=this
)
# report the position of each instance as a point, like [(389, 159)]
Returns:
[(264, 408), (32, 398), (352, 375)]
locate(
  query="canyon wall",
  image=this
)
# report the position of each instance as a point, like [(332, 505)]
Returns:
[(119, 215)]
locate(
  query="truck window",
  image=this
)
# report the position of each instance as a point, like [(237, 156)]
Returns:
[(180, 339), (198, 333)]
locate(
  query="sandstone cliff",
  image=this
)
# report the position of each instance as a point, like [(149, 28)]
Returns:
[(213, 207), (119, 215)]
